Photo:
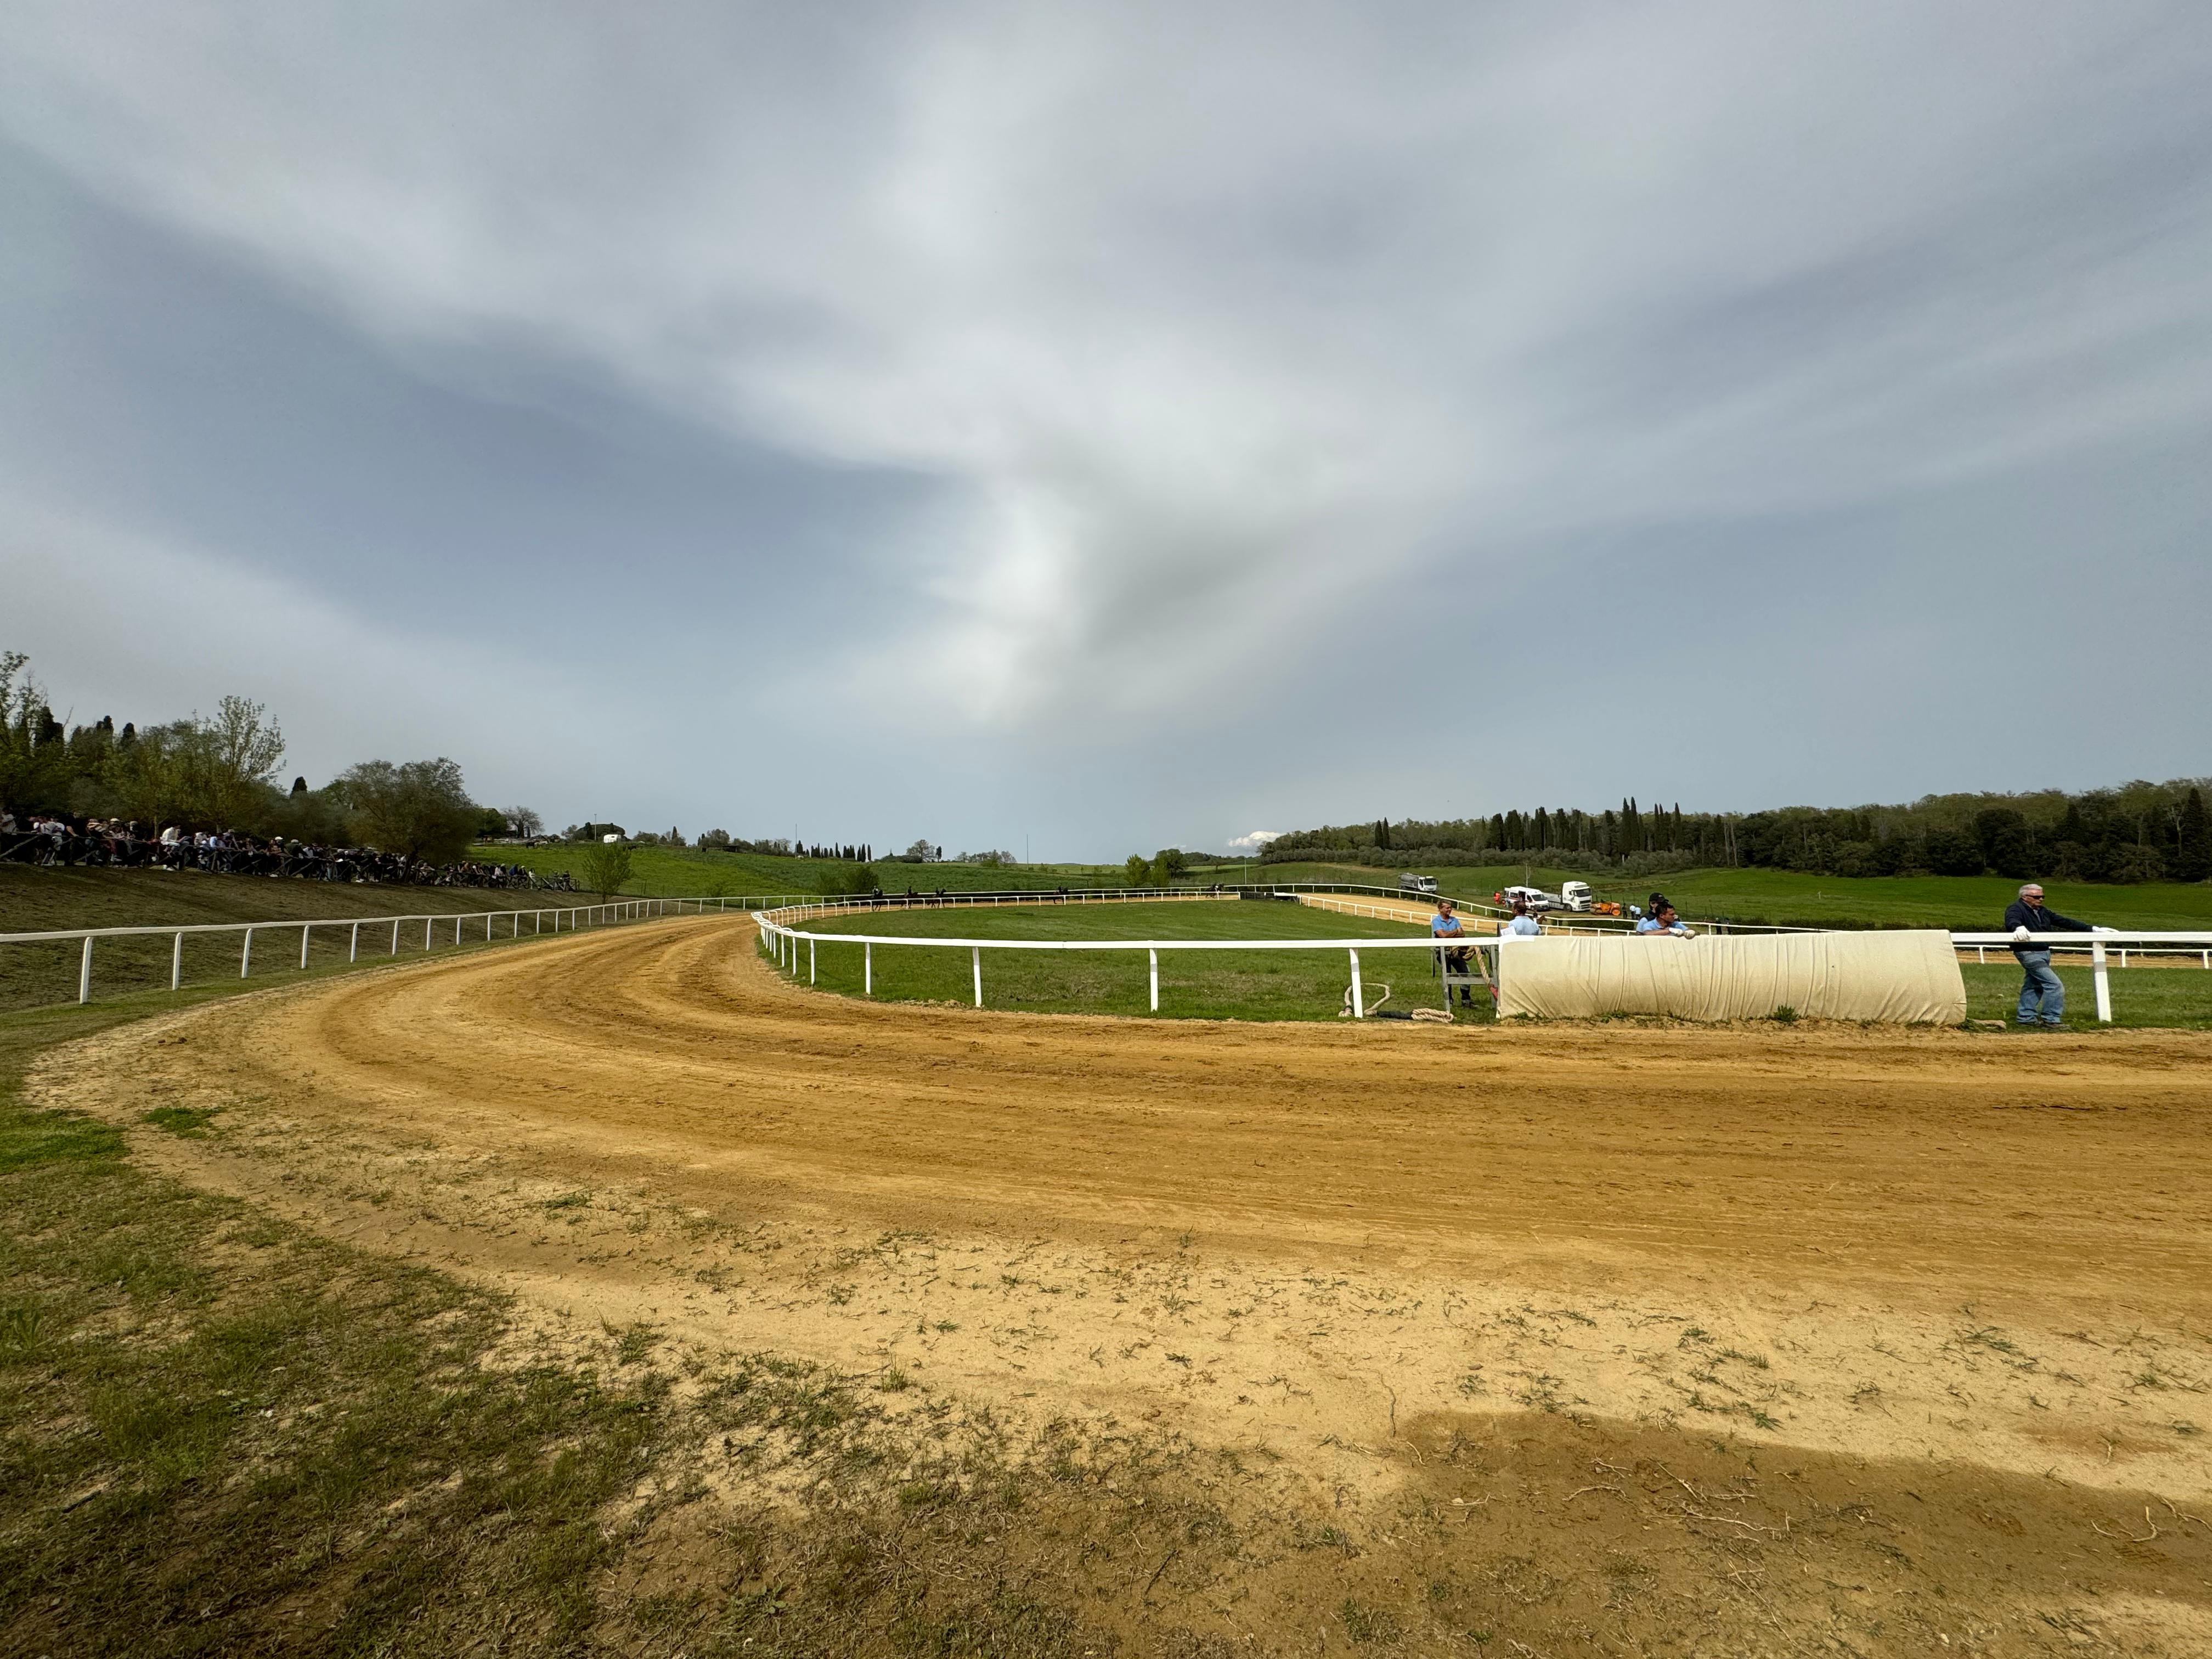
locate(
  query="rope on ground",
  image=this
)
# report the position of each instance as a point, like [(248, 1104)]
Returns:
[(1345, 1012)]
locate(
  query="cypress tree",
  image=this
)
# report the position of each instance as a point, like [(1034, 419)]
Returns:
[(2192, 858)]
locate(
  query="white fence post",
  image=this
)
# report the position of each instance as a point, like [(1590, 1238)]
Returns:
[(809, 961), (305, 929), (975, 952), (2103, 983), (868, 970), (395, 936), (177, 962), (246, 956), (1154, 954), (428, 924), (84, 973), (1358, 1004), (353, 949)]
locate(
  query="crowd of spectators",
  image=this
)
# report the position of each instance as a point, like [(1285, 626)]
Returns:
[(49, 840)]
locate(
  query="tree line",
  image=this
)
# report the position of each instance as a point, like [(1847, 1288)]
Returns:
[(2137, 832), (220, 772)]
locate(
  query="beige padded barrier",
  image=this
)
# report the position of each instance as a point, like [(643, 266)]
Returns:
[(1896, 976)]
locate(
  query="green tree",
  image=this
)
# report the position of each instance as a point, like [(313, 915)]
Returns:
[(2192, 858), (607, 866), (419, 810), (2002, 834)]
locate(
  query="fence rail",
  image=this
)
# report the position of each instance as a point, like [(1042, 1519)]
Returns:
[(781, 941), (781, 938), (567, 917)]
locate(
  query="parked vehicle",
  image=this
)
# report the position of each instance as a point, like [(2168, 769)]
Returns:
[(1534, 897), (1574, 896), (1410, 882)]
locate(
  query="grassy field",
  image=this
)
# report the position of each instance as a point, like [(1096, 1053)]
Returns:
[(1785, 898), (691, 872), (2177, 997), (42, 900), (1194, 985)]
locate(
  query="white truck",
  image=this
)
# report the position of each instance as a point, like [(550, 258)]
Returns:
[(1572, 895), (1410, 882)]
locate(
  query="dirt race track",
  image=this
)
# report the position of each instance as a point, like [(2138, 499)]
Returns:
[(1953, 1288)]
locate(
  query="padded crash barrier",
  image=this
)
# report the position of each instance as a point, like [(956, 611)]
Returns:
[(1910, 977)]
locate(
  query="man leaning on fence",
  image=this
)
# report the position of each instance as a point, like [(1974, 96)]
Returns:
[(2042, 995)]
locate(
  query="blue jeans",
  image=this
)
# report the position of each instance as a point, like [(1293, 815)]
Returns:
[(2041, 990)]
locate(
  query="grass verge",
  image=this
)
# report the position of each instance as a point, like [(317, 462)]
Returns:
[(1194, 985)]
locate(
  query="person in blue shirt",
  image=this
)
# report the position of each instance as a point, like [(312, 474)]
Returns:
[(2042, 993), (1662, 920), (1446, 924)]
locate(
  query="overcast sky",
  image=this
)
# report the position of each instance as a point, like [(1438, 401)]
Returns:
[(1111, 427)]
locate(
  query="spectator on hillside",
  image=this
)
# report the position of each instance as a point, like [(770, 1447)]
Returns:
[(2042, 992)]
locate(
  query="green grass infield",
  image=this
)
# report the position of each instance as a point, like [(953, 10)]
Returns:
[(1193, 984)]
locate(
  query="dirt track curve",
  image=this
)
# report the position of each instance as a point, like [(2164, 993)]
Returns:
[(1985, 1250)]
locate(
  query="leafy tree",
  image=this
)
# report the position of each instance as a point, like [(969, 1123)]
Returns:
[(607, 866), (2192, 858), (525, 821), (849, 878), (2002, 834), (419, 810), (1952, 853)]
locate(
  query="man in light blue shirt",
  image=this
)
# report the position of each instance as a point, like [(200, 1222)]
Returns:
[(1662, 920), (1446, 925)]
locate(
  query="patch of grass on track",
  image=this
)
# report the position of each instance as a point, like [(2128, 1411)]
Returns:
[(1194, 985), (221, 1435)]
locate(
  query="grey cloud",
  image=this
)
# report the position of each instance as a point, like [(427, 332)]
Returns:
[(1147, 359)]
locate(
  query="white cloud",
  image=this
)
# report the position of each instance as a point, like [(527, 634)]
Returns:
[(1257, 839), (1216, 318)]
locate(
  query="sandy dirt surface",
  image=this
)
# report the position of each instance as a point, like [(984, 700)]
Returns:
[(1388, 1265)]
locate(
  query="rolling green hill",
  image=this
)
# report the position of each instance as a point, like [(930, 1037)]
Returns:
[(697, 872)]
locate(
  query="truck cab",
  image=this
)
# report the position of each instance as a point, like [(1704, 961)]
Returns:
[(1574, 895)]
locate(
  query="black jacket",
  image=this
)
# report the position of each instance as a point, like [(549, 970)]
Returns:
[(2020, 913)]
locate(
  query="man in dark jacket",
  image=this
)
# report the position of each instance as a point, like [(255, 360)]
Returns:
[(2041, 994)]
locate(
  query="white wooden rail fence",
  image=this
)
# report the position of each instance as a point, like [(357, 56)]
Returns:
[(781, 941), (568, 918)]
